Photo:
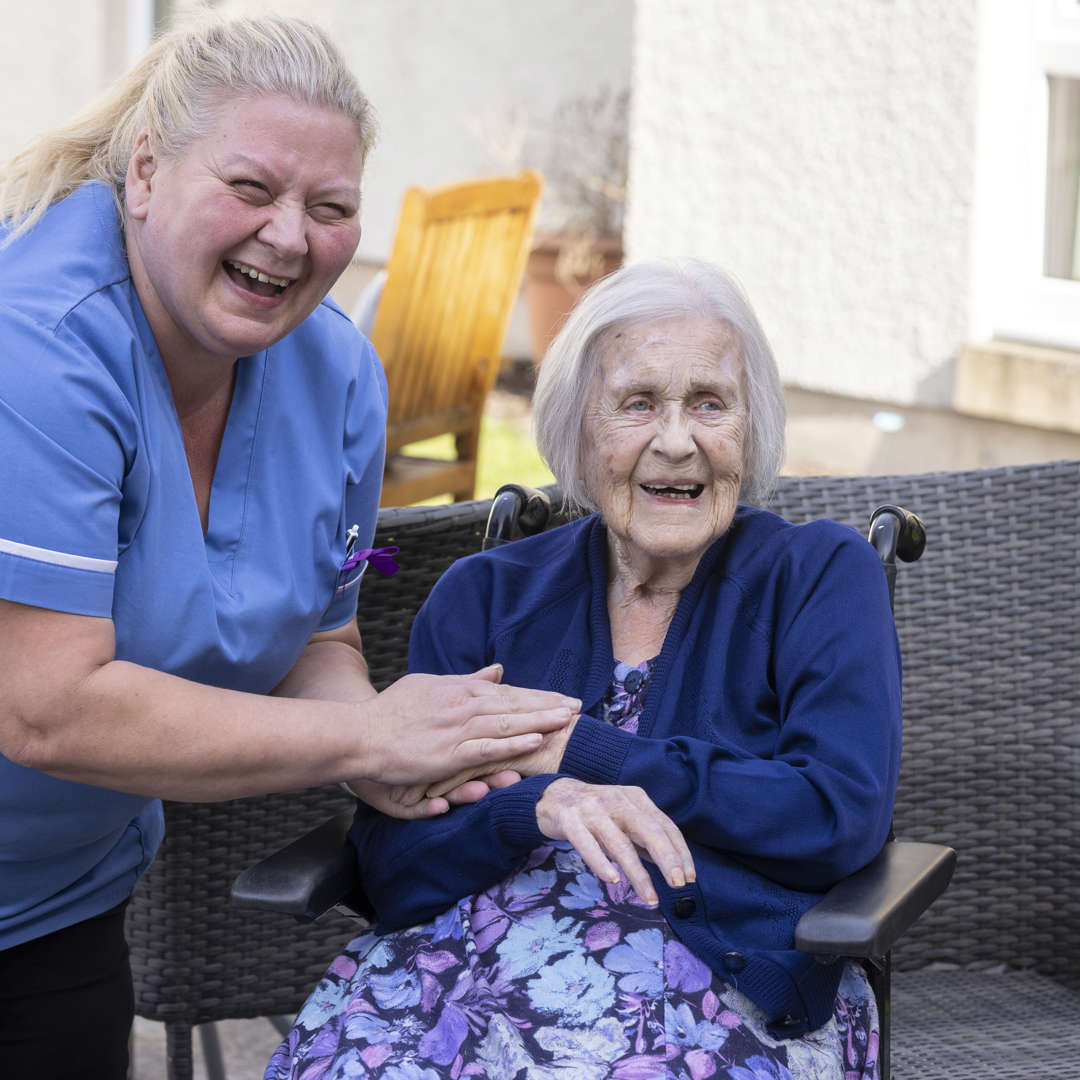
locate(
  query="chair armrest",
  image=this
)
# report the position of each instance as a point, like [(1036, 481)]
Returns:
[(309, 877), (866, 913)]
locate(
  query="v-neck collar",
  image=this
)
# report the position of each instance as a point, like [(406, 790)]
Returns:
[(232, 472), (229, 489), (603, 657)]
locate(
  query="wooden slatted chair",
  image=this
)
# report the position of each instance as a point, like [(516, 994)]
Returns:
[(453, 276)]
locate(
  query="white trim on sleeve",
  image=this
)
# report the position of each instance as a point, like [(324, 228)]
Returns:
[(57, 558)]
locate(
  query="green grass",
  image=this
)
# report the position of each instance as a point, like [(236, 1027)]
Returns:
[(507, 454)]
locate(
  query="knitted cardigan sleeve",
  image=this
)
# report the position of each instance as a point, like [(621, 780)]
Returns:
[(413, 870)]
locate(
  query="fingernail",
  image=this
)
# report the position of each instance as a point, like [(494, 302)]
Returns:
[(573, 704), (677, 881)]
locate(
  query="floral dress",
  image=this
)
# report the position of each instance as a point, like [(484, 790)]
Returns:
[(555, 975)]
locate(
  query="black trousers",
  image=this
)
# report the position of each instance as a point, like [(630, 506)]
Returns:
[(66, 1003)]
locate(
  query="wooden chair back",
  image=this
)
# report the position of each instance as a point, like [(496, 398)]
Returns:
[(454, 273)]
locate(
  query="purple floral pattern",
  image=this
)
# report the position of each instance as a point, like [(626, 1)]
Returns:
[(555, 975)]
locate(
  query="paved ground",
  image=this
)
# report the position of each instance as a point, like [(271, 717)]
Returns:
[(246, 1047)]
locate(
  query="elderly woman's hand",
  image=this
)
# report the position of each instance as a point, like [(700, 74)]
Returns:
[(610, 822)]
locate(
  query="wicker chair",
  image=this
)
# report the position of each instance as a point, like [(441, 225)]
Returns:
[(987, 981), (987, 985)]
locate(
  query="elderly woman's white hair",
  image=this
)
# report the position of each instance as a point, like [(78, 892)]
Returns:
[(643, 293), (172, 92)]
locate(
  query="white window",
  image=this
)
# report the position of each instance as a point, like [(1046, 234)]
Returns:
[(1027, 214)]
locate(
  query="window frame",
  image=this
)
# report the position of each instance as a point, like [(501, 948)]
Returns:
[(1020, 45)]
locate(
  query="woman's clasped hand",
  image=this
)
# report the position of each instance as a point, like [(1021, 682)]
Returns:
[(472, 724), (433, 725)]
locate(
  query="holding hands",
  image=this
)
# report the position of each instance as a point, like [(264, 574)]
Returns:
[(467, 726), (487, 735)]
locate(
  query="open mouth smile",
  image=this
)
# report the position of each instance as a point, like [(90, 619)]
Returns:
[(255, 281), (674, 491)]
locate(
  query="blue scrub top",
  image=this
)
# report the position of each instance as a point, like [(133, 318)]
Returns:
[(98, 517)]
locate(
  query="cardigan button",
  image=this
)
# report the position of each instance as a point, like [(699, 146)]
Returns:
[(734, 961), (791, 1027), (684, 907)]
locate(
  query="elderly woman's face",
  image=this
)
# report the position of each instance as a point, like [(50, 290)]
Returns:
[(234, 243), (663, 435)]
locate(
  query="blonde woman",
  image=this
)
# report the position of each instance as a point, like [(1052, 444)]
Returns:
[(189, 430)]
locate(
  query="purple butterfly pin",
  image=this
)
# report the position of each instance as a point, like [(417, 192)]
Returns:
[(380, 558)]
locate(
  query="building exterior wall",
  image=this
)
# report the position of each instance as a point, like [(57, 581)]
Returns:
[(824, 154), (455, 84), (54, 58), (461, 89)]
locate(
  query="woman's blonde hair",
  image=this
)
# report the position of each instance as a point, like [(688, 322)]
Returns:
[(644, 293), (172, 91)]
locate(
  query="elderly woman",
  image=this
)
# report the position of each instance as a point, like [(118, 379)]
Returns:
[(740, 733), (189, 430)]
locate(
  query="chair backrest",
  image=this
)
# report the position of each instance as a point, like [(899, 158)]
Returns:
[(989, 625), (453, 276), (430, 539)]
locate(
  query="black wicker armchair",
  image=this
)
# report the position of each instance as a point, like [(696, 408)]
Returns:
[(984, 984), (987, 985)]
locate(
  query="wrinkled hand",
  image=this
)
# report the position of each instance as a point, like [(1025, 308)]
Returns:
[(426, 728), (610, 822), (547, 757)]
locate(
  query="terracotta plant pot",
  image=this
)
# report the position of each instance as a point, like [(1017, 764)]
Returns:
[(559, 270)]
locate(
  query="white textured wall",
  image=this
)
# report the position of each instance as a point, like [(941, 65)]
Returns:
[(444, 75), (437, 70), (823, 153), (53, 58)]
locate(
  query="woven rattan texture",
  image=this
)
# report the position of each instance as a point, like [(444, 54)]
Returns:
[(194, 957), (989, 624), (960, 1025), (430, 538)]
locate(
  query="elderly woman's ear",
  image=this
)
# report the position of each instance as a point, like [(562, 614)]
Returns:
[(142, 165)]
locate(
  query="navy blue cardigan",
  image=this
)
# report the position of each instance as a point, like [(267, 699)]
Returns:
[(770, 735)]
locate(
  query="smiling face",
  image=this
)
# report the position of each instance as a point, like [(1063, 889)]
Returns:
[(663, 438), (235, 242)]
